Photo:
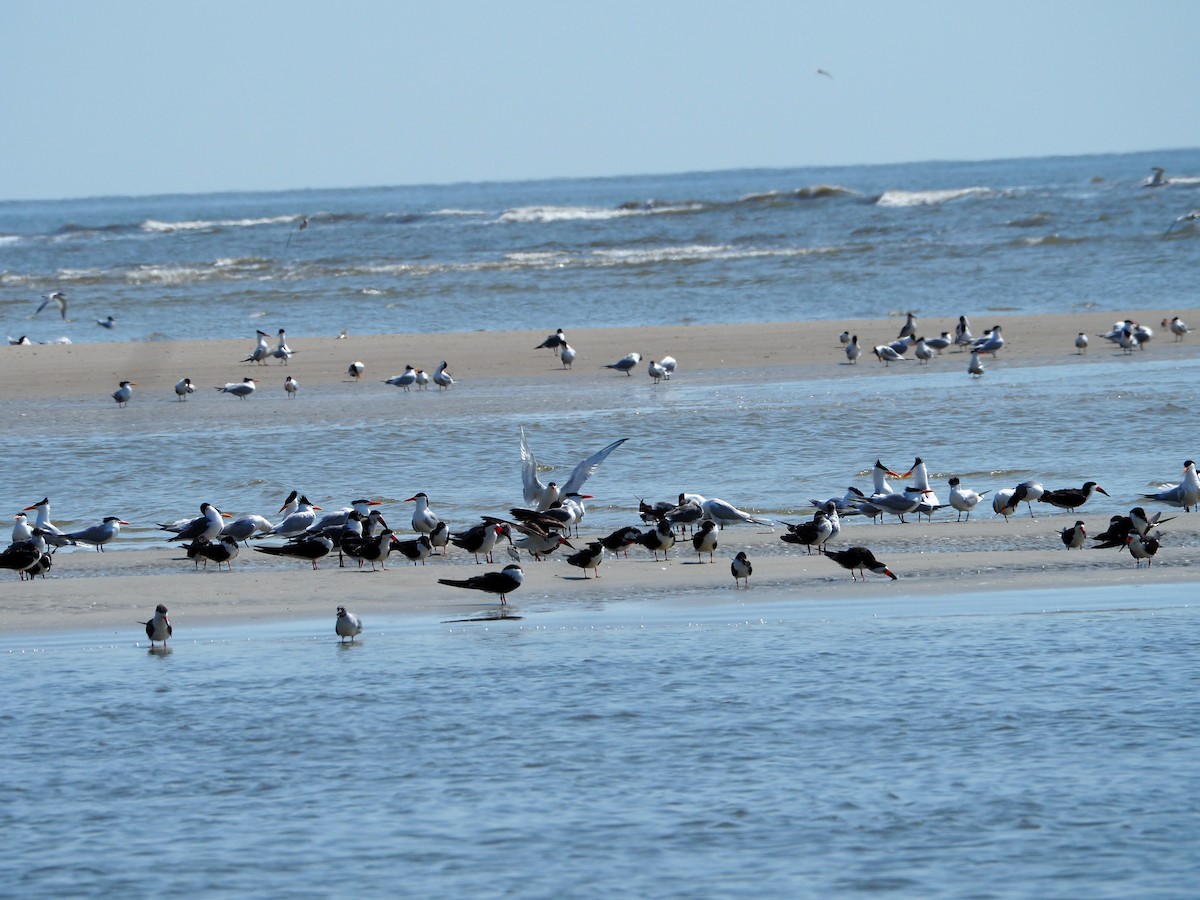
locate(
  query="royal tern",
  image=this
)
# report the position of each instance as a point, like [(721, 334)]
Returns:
[(684, 515), (416, 550), (339, 517), (310, 548), (99, 535), (553, 342), (106, 323), (356, 370), (741, 569), (1081, 343), (441, 377), (922, 351), (909, 329), (991, 342), (660, 537), (206, 526), (540, 496), (223, 550), (1185, 494), (503, 582), (1071, 498), (655, 371), (669, 366), (879, 475), (124, 392), (405, 380), (424, 519), (241, 528), (975, 367), (1074, 536), (846, 505), (421, 379), (963, 499), (296, 520), (282, 351), (859, 558), (938, 344), (240, 389), (1192, 216), (705, 540), (1156, 180), (589, 557), (159, 628), (291, 385), (22, 530), (261, 350), (724, 513), (625, 363), (566, 355), (183, 387), (844, 337), (853, 351), (348, 625), (59, 299), (1177, 327), (887, 355), (929, 502), (538, 543), (54, 535)]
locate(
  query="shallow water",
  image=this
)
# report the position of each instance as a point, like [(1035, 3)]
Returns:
[(1007, 745)]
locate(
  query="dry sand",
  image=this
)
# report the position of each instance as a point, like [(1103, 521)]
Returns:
[(121, 587)]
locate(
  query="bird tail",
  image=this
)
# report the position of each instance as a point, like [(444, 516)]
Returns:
[(453, 582)]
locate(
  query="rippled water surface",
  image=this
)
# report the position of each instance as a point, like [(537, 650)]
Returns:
[(1014, 745)]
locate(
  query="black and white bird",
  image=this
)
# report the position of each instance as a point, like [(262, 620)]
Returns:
[(741, 569), (503, 582), (1071, 498), (1185, 494), (124, 392), (282, 351), (424, 519), (553, 342), (99, 535), (541, 496), (240, 389), (159, 628), (625, 363), (441, 377), (348, 625), (206, 526), (589, 557), (705, 540), (660, 537), (59, 299), (291, 385), (859, 558), (356, 370), (1073, 536), (405, 379), (480, 539), (309, 548), (223, 550), (261, 350), (964, 500), (183, 387)]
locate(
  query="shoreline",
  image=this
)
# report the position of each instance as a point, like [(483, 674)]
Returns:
[(122, 587)]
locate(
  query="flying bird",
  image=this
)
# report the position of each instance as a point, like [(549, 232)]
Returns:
[(59, 299)]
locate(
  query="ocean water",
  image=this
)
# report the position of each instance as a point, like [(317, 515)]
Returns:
[(1006, 745), (1026, 235)]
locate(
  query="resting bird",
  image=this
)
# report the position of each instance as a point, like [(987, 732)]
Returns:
[(503, 582), (310, 548), (159, 628), (348, 625), (741, 568)]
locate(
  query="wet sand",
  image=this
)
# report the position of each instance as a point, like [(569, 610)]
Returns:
[(115, 589)]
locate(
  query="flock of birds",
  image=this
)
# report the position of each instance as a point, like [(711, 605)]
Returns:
[(1126, 334)]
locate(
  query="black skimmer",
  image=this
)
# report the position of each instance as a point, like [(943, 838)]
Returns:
[(1185, 494), (625, 363), (553, 342), (240, 389), (1119, 528), (124, 392), (588, 558), (99, 535), (183, 387), (660, 537), (812, 533), (1026, 492), (1071, 499), (22, 557), (741, 569), (1074, 536), (622, 539), (503, 582), (480, 539), (348, 625), (223, 550), (159, 628), (356, 370), (705, 540), (963, 499), (310, 548), (209, 524), (416, 550), (374, 549), (1142, 548), (683, 515), (859, 558)]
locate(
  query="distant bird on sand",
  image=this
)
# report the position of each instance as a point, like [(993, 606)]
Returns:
[(291, 385), (1074, 536), (859, 558), (853, 350), (975, 367), (356, 370), (503, 582), (553, 342), (909, 328), (1081, 342), (159, 628), (348, 625), (441, 377), (58, 298), (124, 392), (625, 363), (566, 355), (183, 387), (1176, 327), (741, 569), (240, 389)]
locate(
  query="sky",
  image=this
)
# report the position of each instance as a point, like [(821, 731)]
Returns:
[(136, 97)]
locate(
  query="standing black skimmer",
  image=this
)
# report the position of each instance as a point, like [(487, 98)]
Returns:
[(859, 558), (1072, 498), (1142, 548), (416, 550), (625, 363), (588, 558), (223, 550), (124, 392), (1185, 494), (705, 540), (159, 628), (812, 533), (621, 540), (374, 549), (99, 535), (660, 537), (503, 582), (348, 625), (310, 548), (740, 568), (481, 538), (1074, 536)]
